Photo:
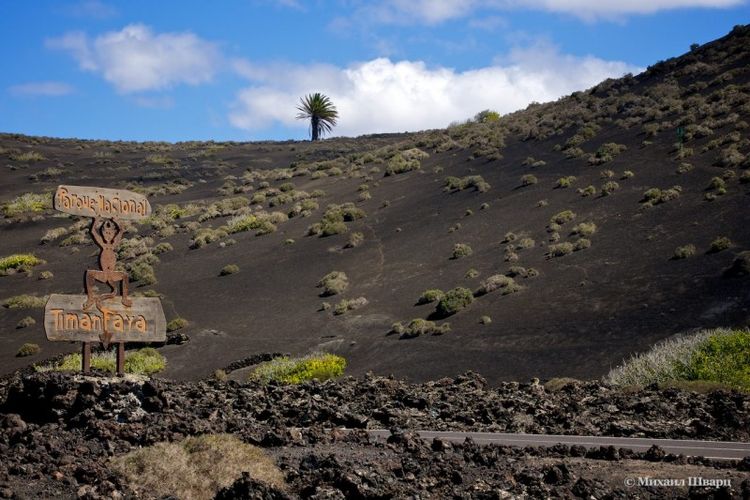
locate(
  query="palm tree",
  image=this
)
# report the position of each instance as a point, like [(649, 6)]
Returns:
[(321, 112)]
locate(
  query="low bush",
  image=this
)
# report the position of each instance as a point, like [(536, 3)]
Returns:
[(587, 191), (177, 324), (334, 218), (28, 203), (719, 356), (628, 174), (229, 269), (581, 244), (584, 229), (196, 467), (333, 283), (684, 252), (146, 361), (26, 322), (419, 326), (485, 320), (454, 301), (563, 217), (609, 188), (528, 180), (347, 305), (25, 302), (470, 181), (297, 370), (461, 250), (18, 262), (565, 182), (505, 284), (28, 349), (560, 249), (355, 240), (719, 244), (471, 273), (431, 295)]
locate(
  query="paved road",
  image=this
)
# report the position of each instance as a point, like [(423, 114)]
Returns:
[(722, 450)]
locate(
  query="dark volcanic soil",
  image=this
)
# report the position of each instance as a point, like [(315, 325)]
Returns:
[(57, 433), (582, 313)]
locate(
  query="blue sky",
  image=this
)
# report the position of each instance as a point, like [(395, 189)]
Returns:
[(234, 70)]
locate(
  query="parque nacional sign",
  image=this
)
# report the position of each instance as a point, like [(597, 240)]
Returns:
[(112, 317)]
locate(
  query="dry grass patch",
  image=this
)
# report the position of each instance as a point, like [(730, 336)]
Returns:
[(195, 468)]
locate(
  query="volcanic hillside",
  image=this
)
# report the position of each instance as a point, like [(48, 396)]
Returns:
[(585, 229)]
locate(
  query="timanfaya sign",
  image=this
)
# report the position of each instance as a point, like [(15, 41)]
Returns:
[(110, 316)]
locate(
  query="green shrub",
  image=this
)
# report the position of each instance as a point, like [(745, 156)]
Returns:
[(333, 283), (723, 358), (355, 240), (229, 269), (528, 180), (18, 262), (453, 301), (525, 243), (584, 229), (347, 305), (505, 284), (684, 252), (560, 249), (485, 320), (471, 273), (46, 275), (718, 356), (431, 295), (163, 248), (286, 187), (565, 182), (27, 157), (587, 191), (177, 324), (628, 174), (419, 326), (606, 152), (195, 467), (609, 187), (296, 370), (142, 271), (26, 322), (398, 164), (719, 244), (334, 218), (28, 349), (684, 168), (475, 181), (563, 217), (461, 250), (717, 183), (581, 244), (146, 361), (25, 302)]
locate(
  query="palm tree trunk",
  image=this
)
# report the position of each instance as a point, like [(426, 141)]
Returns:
[(315, 124)]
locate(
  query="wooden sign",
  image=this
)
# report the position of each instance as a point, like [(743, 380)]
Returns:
[(65, 319), (101, 202)]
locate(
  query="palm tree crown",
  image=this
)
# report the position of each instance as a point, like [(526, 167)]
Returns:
[(321, 112)]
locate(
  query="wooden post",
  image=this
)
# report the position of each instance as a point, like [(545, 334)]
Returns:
[(120, 358), (86, 357)]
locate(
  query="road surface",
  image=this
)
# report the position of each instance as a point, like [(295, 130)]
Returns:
[(718, 450)]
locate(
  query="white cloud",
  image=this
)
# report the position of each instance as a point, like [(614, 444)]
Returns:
[(46, 89), (433, 12), (609, 8), (136, 59), (386, 96)]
